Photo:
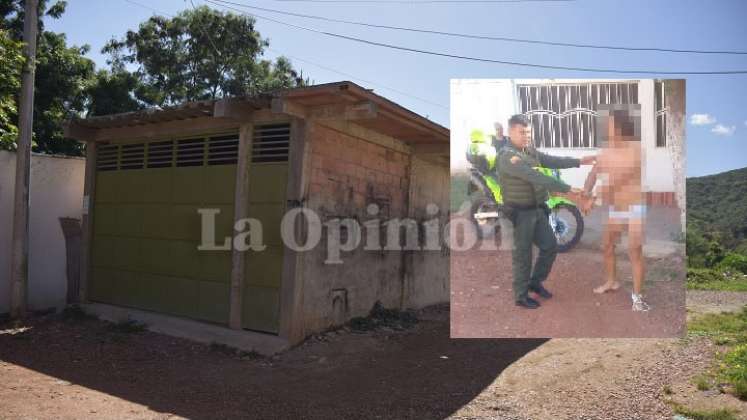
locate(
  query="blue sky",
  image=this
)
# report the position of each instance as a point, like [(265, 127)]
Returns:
[(719, 143)]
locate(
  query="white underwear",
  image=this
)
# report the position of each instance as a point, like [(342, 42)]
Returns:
[(635, 212)]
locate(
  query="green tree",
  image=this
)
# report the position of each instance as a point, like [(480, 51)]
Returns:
[(696, 246), (11, 60), (716, 251), (199, 54), (112, 92), (62, 77)]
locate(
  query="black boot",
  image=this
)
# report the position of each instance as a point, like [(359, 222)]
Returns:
[(528, 303), (541, 291)]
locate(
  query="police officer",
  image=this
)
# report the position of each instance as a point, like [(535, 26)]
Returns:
[(525, 191), (499, 140)]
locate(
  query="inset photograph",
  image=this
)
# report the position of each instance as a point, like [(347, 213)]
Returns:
[(568, 208)]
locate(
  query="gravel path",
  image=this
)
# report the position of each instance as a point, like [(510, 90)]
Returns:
[(706, 301), (593, 379)]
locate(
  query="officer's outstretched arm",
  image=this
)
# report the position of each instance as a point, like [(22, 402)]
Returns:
[(557, 162), (515, 166)]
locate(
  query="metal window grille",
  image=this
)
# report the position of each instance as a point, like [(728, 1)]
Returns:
[(190, 152), (107, 157), (563, 115), (132, 156), (160, 154), (223, 150), (661, 114), (270, 143)]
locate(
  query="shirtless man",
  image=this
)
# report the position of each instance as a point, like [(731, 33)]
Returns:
[(619, 168)]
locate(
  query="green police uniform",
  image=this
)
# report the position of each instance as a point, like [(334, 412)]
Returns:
[(525, 191)]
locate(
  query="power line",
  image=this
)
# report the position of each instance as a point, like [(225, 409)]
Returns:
[(362, 80), (202, 29), (402, 93), (482, 59), (482, 37)]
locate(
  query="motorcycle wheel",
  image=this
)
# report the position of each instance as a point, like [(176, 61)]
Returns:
[(485, 228), (568, 226)]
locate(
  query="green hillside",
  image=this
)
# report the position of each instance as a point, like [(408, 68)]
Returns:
[(717, 205)]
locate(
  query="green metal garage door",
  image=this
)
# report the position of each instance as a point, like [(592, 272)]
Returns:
[(147, 229), (268, 178)]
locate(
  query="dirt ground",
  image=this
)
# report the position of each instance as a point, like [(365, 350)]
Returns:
[(482, 301), (85, 370), (610, 378), (74, 370)]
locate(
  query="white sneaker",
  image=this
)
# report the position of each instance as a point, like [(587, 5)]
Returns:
[(638, 304)]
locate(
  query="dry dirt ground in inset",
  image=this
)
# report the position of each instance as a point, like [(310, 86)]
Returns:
[(482, 301), (83, 370)]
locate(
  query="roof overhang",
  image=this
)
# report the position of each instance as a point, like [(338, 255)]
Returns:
[(340, 100)]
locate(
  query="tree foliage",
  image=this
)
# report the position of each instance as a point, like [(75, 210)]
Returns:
[(62, 77), (716, 217), (11, 60), (199, 54), (112, 92)]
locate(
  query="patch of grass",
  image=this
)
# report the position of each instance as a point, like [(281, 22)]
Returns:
[(76, 313), (729, 329), (694, 414), (734, 369), (702, 382), (382, 317), (128, 326), (667, 390), (709, 279)]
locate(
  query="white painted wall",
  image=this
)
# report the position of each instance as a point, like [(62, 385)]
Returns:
[(56, 191), (478, 103)]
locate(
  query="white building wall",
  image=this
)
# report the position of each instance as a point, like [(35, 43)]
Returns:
[(658, 171), (478, 103), (56, 191)]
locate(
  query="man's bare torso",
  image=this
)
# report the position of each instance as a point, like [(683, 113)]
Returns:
[(620, 170)]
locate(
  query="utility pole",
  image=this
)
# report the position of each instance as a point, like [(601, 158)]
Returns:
[(19, 263)]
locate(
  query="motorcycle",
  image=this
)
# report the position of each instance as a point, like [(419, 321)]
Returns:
[(486, 210)]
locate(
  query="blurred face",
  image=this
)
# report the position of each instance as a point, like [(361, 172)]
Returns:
[(498, 131), (520, 136)]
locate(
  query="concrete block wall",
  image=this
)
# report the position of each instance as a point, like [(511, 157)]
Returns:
[(56, 191), (427, 276), (349, 170)]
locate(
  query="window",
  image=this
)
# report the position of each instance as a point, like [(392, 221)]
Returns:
[(107, 157), (270, 143), (661, 114), (216, 150), (223, 150), (132, 156), (160, 154), (563, 115), (190, 152)]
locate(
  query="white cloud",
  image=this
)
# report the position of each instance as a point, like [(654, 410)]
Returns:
[(701, 119), (723, 130)]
